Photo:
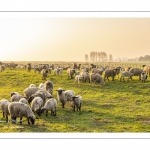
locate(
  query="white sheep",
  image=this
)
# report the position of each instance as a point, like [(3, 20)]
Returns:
[(40, 93), (4, 107), (77, 101), (51, 105), (64, 96), (126, 74), (19, 109), (78, 79), (36, 105)]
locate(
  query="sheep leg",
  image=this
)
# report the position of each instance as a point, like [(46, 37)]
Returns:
[(13, 120), (55, 112), (20, 121), (28, 121), (74, 108), (6, 118), (46, 112), (3, 115), (63, 105), (80, 107)]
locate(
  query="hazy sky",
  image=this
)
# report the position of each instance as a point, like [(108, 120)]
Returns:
[(69, 39)]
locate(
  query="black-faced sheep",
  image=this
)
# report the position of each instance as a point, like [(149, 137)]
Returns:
[(77, 101), (50, 105), (18, 109), (143, 77), (64, 96)]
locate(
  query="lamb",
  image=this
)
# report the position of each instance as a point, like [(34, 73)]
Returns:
[(51, 105), (18, 109), (126, 74), (23, 100), (36, 105), (143, 76), (44, 74), (64, 96), (96, 78), (4, 107), (78, 78), (77, 101), (48, 86)]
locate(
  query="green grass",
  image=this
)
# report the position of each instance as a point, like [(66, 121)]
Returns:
[(116, 107)]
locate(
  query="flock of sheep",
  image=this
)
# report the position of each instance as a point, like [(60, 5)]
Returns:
[(40, 99), (37, 100)]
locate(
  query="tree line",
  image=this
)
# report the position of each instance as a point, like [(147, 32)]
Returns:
[(98, 57)]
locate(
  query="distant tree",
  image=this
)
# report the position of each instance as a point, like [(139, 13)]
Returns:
[(145, 58), (86, 57), (110, 57)]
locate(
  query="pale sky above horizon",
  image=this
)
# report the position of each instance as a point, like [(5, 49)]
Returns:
[(69, 39)]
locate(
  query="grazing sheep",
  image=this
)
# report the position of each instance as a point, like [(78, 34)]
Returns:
[(4, 107), (96, 78), (136, 72), (126, 74), (18, 109), (78, 78), (36, 105), (70, 72), (77, 101), (111, 73), (40, 93), (13, 93), (37, 69), (85, 76), (51, 105), (23, 100), (28, 92), (32, 85), (97, 70), (58, 71), (41, 85), (64, 96), (16, 97), (143, 77), (44, 74), (48, 86)]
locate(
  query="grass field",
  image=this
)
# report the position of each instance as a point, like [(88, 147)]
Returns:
[(116, 107)]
